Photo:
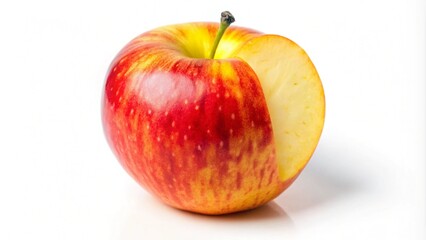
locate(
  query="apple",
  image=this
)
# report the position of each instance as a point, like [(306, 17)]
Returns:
[(211, 119)]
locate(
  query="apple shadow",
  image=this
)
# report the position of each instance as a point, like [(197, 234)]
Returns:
[(143, 215), (268, 212), (331, 175)]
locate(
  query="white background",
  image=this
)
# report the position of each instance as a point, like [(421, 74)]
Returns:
[(59, 179)]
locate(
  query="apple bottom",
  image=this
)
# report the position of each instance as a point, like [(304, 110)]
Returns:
[(246, 202), (201, 193)]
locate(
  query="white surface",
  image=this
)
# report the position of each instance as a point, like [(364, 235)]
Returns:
[(59, 179)]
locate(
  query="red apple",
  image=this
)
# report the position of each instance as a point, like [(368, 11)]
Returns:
[(212, 135)]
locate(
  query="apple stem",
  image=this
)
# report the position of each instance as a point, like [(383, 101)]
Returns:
[(225, 21)]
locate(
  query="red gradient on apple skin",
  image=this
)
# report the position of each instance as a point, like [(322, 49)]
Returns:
[(196, 133)]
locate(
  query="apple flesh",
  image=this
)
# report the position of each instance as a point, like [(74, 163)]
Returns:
[(212, 136), (294, 95)]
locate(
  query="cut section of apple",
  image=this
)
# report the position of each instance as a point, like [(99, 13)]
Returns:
[(294, 95)]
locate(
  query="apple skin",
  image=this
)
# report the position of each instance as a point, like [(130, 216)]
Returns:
[(194, 132)]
